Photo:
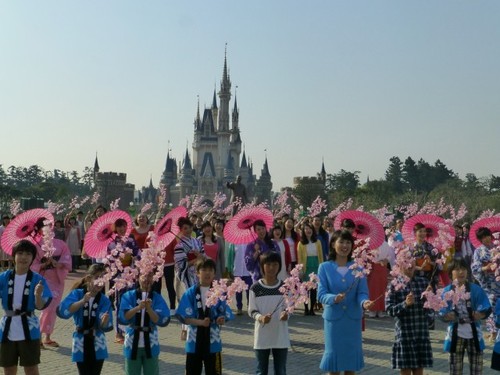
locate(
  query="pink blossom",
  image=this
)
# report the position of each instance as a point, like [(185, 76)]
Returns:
[(363, 258), (317, 206), (146, 208), (55, 208), (48, 239), (344, 206), (114, 205), (434, 301), (294, 291), (384, 215), (95, 198), (15, 207), (281, 205)]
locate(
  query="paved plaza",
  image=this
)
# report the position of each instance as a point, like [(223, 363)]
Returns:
[(237, 336)]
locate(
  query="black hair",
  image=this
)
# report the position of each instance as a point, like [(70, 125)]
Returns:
[(293, 233), (24, 246), (348, 223), (205, 263), (343, 235), (136, 222), (40, 223), (267, 240), (456, 263), (417, 227), (207, 224), (184, 221), (276, 227), (101, 207), (79, 213), (120, 223), (270, 257), (482, 233), (303, 237), (94, 270)]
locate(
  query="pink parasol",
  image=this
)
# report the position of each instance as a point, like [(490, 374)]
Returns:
[(433, 225), (239, 230), (101, 233), (492, 223), (367, 226), (166, 230), (23, 228)]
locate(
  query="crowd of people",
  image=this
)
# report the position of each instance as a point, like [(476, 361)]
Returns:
[(200, 254)]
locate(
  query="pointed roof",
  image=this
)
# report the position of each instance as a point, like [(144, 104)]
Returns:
[(323, 170), (197, 120), (151, 183), (186, 164), (244, 161), (235, 109), (226, 82), (96, 163), (214, 101), (265, 169)]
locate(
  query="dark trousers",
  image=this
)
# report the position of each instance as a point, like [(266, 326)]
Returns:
[(279, 359), (169, 273), (212, 362), (91, 365)]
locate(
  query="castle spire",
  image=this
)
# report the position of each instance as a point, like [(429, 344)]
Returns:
[(96, 164), (186, 164), (214, 101), (244, 161)]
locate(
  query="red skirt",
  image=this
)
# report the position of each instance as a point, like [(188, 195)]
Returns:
[(377, 285)]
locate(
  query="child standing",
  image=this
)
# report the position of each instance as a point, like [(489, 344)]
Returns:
[(464, 329), (22, 291), (142, 310), (412, 349), (92, 314), (203, 343), (271, 323)]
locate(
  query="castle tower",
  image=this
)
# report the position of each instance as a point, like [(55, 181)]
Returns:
[(186, 178), (264, 185)]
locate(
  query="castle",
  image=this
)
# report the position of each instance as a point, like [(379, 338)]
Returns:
[(217, 156), (112, 185)]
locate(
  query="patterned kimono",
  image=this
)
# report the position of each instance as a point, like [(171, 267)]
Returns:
[(185, 251), (252, 264), (201, 338), (134, 327), (55, 278), (491, 287), (31, 325), (412, 346), (87, 321)]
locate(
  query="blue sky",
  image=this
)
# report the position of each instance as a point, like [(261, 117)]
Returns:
[(353, 82)]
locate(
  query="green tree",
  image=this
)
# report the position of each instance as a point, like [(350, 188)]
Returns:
[(394, 175)]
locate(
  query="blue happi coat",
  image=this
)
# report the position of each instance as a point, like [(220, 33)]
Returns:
[(478, 302), (83, 320), (190, 306), (130, 300), (30, 320)]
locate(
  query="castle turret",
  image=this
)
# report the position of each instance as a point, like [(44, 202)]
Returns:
[(264, 185)]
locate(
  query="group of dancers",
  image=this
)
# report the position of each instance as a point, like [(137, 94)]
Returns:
[(36, 282)]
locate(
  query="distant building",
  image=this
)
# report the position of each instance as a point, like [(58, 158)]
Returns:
[(112, 185), (216, 152), (316, 182)]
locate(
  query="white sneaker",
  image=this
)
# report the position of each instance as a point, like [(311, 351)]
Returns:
[(381, 314), (371, 314)]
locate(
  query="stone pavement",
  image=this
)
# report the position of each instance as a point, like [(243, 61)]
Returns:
[(237, 337)]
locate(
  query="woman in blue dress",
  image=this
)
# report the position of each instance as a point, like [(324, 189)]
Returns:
[(344, 297)]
